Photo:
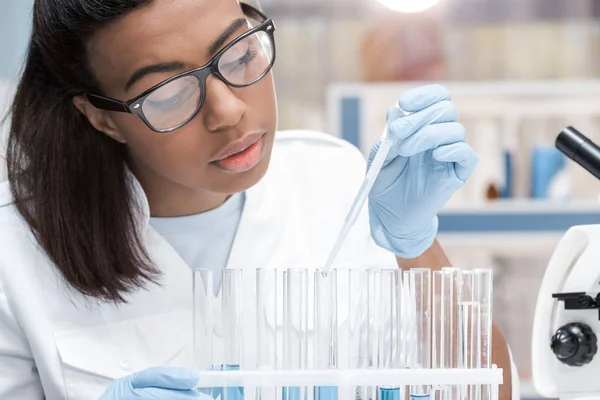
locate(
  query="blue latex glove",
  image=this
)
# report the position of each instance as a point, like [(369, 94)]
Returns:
[(166, 383), (428, 162)]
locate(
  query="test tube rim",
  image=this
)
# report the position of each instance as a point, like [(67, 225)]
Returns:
[(421, 269), (296, 269), (266, 269), (231, 270)]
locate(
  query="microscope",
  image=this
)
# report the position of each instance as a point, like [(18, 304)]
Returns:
[(566, 327)]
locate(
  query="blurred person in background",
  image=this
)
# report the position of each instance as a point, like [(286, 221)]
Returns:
[(143, 143), (404, 47)]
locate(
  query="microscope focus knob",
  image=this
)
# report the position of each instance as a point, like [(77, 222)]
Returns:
[(574, 344)]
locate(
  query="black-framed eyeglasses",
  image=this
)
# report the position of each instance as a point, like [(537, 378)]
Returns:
[(174, 102)]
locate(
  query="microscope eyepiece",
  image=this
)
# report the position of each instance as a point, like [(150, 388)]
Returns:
[(580, 149)]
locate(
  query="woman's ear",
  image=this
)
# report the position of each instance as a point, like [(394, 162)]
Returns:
[(100, 119)]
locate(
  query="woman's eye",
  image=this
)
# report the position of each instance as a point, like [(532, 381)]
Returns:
[(170, 102), (249, 56), (165, 104), (242, 60)]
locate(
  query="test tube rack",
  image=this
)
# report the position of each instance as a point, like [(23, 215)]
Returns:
[(295, 334)]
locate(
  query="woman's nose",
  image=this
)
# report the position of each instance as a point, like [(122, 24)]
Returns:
[(223, 109)]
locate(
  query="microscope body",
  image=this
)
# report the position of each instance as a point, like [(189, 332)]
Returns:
[(566, 325), (565, 362)]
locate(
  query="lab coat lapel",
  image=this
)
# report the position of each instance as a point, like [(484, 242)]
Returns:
[(271, 233)]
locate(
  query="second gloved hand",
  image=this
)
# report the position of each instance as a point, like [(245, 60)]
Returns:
[(166, 383), (428, 162)]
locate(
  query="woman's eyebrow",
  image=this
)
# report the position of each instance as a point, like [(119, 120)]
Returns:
[(227, 33), (153, 69), (177, 65)]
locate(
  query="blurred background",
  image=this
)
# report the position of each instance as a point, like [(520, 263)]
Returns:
[(519, 71)]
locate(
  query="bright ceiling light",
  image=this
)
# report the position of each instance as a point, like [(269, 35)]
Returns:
[(409, 6)]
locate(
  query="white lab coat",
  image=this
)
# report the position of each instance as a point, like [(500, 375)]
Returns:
[(55, 342)]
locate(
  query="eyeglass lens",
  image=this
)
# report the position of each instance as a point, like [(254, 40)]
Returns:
[(176, 102)]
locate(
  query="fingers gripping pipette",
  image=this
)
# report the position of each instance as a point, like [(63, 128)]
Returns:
[(363, 193)]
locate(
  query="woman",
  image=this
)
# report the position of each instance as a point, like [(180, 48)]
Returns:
[(106, 211)]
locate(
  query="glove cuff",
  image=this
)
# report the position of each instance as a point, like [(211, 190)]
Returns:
[(411, 246)]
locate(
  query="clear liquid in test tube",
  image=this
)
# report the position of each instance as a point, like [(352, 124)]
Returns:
[(295, 327), (359, 326), (483, 291), (266, 327), (387, 324), (232, 330), (420, 291), (326, 325)]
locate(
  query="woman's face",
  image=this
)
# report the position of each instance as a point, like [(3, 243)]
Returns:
[(170, 37)]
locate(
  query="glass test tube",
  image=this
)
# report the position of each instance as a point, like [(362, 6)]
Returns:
[(467, 309), (437, 330), (483, 290), (387, 323), (358, 325), (232, 333), (450, 325), (266, 327), (408, 333), (420, 289), (449, 343), (202, 319), (436, 320), (326, 335), (295, 327)]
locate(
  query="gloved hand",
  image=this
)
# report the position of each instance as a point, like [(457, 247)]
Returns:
[(428, 162), (166, 383)]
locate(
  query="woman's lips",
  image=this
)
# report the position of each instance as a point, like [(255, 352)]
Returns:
[(243, 160), (239, 145)]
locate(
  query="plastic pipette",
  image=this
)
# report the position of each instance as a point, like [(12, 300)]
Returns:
[(363, 193)]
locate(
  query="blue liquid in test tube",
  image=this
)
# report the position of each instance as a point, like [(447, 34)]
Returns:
[(225, 393), (389, 394), (233, 393)]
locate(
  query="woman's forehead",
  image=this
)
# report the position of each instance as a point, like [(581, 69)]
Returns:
[(166, 31)]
